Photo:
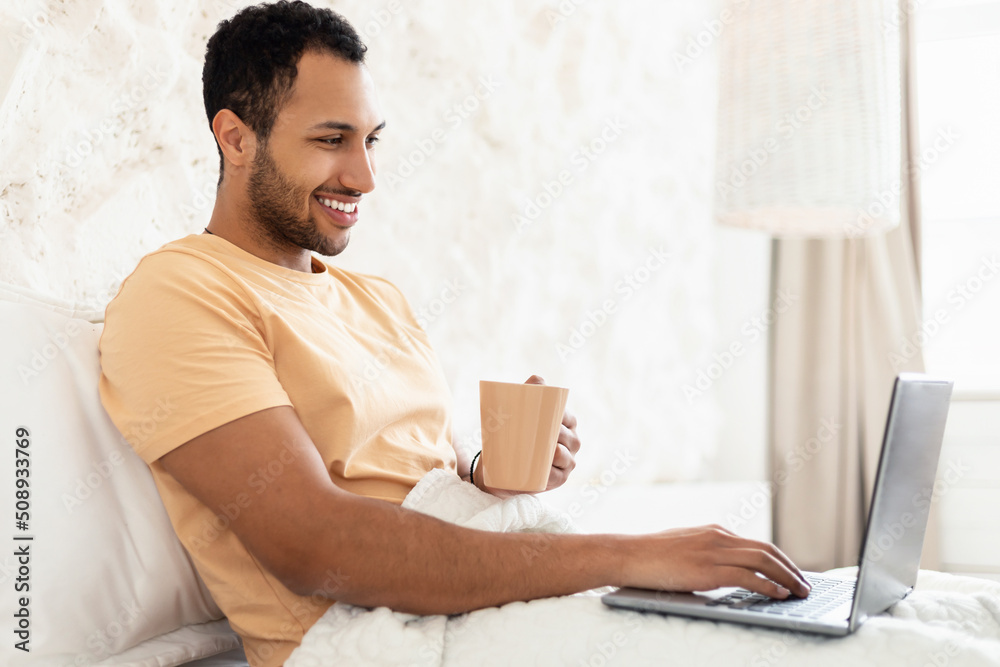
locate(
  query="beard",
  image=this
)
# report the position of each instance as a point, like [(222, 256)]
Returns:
[(276, 203)]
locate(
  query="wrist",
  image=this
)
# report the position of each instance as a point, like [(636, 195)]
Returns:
[(598, 559), (476, 472), (479, 480), (618, 548)]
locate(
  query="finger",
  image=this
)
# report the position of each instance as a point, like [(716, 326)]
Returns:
[(569, 420), (556, 479), (535, 379), (762, 561), (723, 529), (774, 551), (780, 555), (563, 459), (569, 439), (558, 476), (737, 576)]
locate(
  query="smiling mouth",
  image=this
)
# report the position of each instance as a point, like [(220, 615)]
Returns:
[(342, 214), (337, 205)]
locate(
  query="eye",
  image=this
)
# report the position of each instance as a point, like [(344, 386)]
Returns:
[(373, 140), (334, 141)]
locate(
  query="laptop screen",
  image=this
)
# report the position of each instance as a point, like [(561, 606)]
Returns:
[(904, 484)]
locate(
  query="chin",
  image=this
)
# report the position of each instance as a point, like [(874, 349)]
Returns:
[(333, 247)]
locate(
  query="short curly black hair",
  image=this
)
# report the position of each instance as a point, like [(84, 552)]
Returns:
[(250, 61)]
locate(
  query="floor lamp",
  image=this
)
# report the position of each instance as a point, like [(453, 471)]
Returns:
[(810, 121)]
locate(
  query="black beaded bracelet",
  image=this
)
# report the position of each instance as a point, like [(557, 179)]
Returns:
[(472, 469)]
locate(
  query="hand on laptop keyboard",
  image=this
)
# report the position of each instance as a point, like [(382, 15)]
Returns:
[(827, 594), (705, 558)]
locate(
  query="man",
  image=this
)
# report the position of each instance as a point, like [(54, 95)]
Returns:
[(281, 471)]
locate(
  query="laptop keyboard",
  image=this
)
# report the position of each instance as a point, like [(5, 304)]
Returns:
[(825, 596)]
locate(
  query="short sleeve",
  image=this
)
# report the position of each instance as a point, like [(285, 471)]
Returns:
[(183, 352)]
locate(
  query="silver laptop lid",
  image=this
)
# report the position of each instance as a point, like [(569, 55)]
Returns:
[(897, 520)]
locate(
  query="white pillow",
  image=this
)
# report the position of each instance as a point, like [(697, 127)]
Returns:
[(105, 570)]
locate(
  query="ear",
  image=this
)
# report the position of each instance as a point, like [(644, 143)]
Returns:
[(237, 141)]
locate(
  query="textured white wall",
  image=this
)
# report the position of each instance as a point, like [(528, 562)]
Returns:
[(105, 154)]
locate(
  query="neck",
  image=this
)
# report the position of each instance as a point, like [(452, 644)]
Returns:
[(230, 220)]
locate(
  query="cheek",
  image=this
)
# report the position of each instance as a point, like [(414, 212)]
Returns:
[(308, 168), (321, 169)]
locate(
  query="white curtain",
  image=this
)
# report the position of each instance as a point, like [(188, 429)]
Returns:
[(832, 364)]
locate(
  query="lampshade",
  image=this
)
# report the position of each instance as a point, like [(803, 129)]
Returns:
[(809, 117)]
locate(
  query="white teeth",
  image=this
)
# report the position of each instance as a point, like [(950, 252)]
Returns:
[(339, 205)]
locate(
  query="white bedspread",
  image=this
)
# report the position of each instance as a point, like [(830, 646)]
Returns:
[(947, 620)]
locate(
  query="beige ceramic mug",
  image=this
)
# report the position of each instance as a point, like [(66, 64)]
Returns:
[(520, 425)]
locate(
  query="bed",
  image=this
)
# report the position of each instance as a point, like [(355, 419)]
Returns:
[(111, 585)]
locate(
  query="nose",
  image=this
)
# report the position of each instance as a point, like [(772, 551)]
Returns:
[(359, 172)]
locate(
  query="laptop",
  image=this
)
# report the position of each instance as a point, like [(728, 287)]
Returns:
[(890, 551)]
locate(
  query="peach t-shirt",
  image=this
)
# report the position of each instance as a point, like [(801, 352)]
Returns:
[(203, 333)]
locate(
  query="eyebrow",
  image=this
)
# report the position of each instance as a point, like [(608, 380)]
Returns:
[(345, 127)]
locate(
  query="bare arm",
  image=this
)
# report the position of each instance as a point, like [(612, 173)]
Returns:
[(301, 526)]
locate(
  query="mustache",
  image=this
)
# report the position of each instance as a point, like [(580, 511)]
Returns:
[(344, 193)]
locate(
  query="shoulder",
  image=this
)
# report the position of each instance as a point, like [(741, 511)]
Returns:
[(180, 260), (177, 274)]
